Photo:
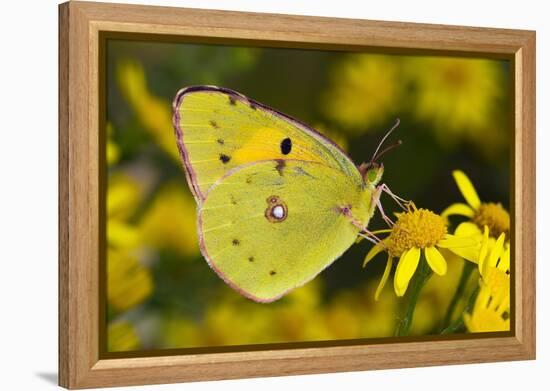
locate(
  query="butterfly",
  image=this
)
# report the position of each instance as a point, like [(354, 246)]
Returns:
[(277, 202)]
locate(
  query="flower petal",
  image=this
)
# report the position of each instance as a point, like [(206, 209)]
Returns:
[(376, 249), (495, 253), (468, 229), (466, 247), (467, 189), (405, 270), (458, 209), (384, 279), (436, 260), (484, 249), (453, 241), (504, 263)]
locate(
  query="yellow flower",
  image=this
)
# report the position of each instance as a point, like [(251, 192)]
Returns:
[(494, 267), (482, 214), (489, 314), (459, 96), (415, 232), (153, 112), (122, 337), (128, 282), (365, 91), (169, 222), (124, 195), (492, 307), (179, 332)]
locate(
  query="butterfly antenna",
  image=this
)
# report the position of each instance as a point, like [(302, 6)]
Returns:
[(388, 148), (375, 155)]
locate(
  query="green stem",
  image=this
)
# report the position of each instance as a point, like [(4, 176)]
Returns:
[(422, 274), (466, 272), (458, 324)]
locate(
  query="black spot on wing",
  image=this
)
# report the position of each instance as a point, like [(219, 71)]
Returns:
[(224, 158), (252, 105), (250, 259), (286, 146), (272, 273), (214, 124), (220, 141), (232, 101), (236, 242)]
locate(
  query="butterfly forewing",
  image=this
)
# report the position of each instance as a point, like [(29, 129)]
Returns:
[(218, 130)]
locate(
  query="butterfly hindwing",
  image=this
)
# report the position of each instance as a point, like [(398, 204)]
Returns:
[(270, 226), (219, 129)]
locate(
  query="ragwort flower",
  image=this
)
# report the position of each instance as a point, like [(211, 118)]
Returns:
[(491, 311), (494, 266), (416, 232), (490, 214)]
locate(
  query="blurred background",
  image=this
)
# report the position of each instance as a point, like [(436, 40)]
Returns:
[(161, 294)]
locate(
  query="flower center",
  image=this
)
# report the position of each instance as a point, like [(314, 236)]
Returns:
[(493, 216), (418, 228)]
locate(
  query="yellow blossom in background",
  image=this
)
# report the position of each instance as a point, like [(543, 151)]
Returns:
[(124, 195), (170, 221), (378, 316), (112, 152), (153, 112), (128, 282), (458, 96), (365, 90), (122, 337), (123, 198), (416, 231), (179, 331)]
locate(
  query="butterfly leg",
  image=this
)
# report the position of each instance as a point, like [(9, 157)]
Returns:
[(376, 201), (364, 233), (398, 200)]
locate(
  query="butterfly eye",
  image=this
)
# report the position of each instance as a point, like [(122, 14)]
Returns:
[(286, 146), (374, 175)]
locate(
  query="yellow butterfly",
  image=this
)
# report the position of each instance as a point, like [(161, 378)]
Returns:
[(277, 201)]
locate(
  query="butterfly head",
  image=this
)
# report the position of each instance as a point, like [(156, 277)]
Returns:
[(372, 173)]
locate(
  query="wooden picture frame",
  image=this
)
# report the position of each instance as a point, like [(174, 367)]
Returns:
[(81, 25)]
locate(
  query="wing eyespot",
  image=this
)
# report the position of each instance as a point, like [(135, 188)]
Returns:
[(276, 211)]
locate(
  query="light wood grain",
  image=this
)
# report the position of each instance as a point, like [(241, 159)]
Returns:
[(80, 365)]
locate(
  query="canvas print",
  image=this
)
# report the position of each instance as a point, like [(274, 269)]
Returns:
[(261, 196)]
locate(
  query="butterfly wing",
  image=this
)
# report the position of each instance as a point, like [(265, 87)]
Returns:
[(218, 129), (271, 226)]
